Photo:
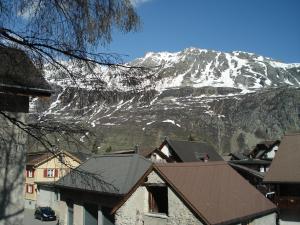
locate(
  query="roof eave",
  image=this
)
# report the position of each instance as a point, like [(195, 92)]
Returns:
[(60, 186), (280, 182), (28, 91)]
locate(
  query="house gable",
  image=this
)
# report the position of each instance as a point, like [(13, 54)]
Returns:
[(136, 208)]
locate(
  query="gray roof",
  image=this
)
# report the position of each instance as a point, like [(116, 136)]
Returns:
[(251, 162), (238, 155), (189, 151), (110, 174), (81, 155), (19, 75), (248, 170)]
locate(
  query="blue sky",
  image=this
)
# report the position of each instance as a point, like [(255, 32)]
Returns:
[(266, 27)]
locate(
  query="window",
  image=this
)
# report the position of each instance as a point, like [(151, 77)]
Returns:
[(29, 188), (50, 173), (30, 173), (158, 199)]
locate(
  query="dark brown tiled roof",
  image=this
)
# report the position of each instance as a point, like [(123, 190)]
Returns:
[(35, 158), (190, 151), (285, 167), (18, 75), (215, 192)]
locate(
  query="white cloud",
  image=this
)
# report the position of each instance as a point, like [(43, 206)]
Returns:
[(136, 3)]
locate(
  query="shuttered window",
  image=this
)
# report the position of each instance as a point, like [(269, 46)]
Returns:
[(29, 188), (30, 173), (50, 172)]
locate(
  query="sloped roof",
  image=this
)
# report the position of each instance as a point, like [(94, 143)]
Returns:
[(215, 192), (188, 151), (262, 148), (285, 167), (82, 156), (248, 170), (238, 155), (19, 75), (37, 158), (110, 174), (251, 162), (142, 152)]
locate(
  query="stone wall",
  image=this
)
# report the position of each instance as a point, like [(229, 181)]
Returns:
[(135, 211), (12, 160)]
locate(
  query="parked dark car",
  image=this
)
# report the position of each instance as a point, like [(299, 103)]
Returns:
[(44, 213)]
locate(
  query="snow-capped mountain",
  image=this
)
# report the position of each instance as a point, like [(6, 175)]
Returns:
[(231, 100)]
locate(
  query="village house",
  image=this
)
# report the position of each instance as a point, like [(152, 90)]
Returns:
[(19, 79), (182, 151), (264, 150), (254, 165), (44, 168), (284, 176), (129, 189)]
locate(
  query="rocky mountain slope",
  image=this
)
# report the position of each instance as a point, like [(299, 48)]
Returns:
[(230, 100)]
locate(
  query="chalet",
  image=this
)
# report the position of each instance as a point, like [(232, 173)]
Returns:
[(183, 151), (265, 150), (284, 175), (19, 80), (129, 189), (44, 168)]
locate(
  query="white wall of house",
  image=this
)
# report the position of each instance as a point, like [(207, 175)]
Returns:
[(165, 149), (62, 212), (271, 154), (78, 214), (46, 196), (266, 220), (156, 158)]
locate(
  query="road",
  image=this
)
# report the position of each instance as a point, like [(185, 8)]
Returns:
[(30, 220)]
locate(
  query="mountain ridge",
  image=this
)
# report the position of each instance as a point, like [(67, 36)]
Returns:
[(200, 92)]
